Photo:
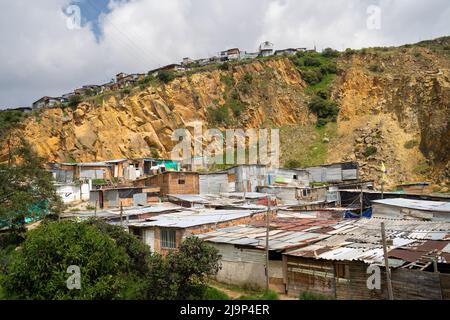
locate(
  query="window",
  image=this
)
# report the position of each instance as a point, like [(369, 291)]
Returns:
[(181, 181), (168, 239), (341, 270)]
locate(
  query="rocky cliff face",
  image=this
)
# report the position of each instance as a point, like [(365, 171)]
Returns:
[(394, 107), (133, 125)]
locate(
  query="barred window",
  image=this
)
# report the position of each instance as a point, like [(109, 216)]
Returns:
[(168, 239)]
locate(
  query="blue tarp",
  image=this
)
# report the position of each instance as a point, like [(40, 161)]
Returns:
[(350, 215)]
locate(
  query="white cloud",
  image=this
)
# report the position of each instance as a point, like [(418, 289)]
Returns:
[(41, 56)]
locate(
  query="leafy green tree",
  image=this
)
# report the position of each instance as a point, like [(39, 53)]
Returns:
[(39, 269), (26, 188), (9, 119), (192, 264)]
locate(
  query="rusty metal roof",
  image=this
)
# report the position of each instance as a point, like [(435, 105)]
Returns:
[(279, 240)]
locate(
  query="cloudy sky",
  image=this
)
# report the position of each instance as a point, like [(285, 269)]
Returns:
[(50, 47)]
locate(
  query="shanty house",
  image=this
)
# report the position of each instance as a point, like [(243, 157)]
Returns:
[(334, 173), (338, 266), (165, 232), (93, 170), (398, 208), (214, 183), (171, 182), (113, 197), (242, 249), (248, 177)]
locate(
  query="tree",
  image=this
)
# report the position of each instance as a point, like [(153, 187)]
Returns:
[(26, 188), (194, 262), (330, 53), (39, 269)]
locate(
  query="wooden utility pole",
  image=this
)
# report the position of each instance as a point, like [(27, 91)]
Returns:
[(267, 241), (121, 214), (386, 263), (361, 200)]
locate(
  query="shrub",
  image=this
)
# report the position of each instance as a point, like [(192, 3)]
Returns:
[(224, 66), (166, 76), (75, 100), (376, 68), (228, 81), (411, 144), (312, 76), (349, 52), (218, 115), (312, 62), (330, 53), (329, 68), (247, 77), (325, 110), (371, 150)]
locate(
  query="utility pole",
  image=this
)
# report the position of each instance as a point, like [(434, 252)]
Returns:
[(386, 263), (267, 241), (361, 200), (121, 214), (95, 210)]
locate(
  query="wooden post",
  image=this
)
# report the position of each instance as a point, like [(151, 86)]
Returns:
[(361, 200), (267, 241), (386, 263), (121, 214)]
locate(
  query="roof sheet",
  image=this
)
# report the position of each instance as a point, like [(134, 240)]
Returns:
[(256, 237), (436, 206), (191, 218)]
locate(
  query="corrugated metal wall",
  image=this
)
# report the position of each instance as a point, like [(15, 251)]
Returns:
[(213, 183), (91, 174)]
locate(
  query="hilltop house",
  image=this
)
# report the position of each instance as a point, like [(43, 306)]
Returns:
[(169, 67), (233, 54), (266, 49), (46, 102)]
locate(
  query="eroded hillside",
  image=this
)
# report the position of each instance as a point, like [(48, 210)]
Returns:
[(394, 107)]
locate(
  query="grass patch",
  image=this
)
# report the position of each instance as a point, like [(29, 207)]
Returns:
[(422, 168), (305, 146), (411, 144), (313, 296), (215, 294), (268, 295)]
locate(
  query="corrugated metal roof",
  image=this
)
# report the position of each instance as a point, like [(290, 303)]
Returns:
[(423, 205), (256, 237), (192, 218)]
